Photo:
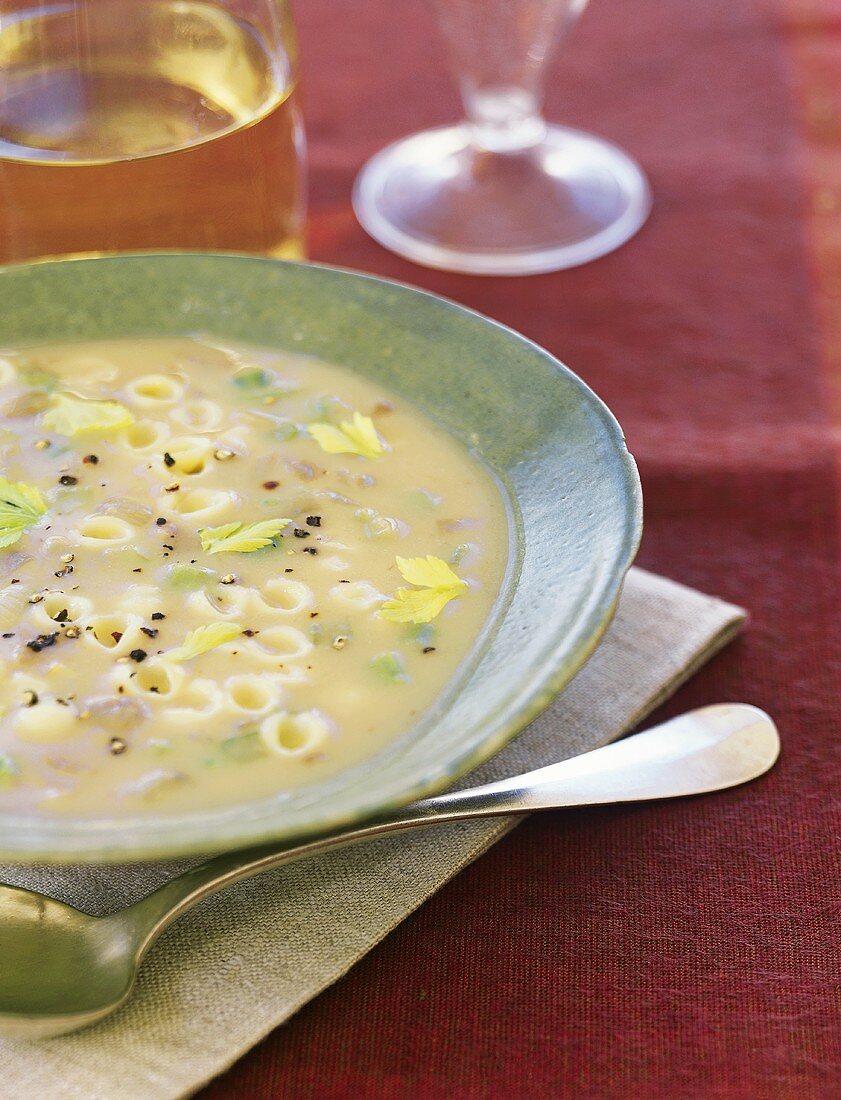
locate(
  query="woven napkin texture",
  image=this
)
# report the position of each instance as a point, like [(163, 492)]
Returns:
[(243, 961)]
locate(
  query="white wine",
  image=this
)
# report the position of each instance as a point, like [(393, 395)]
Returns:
[(146, 124)]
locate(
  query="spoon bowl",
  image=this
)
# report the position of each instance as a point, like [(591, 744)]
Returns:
[(63, 970)]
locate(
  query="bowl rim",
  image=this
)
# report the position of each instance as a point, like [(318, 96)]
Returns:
[(90, 840)]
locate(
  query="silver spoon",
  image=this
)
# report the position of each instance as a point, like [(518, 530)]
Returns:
[(61, 969)]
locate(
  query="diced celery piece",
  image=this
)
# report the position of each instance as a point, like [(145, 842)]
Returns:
[(460, 553), (422, 633), (8, 769), (159, 745), (390, 668), (285, 430), (243, 747), (189, 578), (38, 378), (326, 407), (424, 500), (252, 378)]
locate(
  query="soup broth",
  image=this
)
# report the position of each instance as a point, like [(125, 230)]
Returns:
[(225, 572)]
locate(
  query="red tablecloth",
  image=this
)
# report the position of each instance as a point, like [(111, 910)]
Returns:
[(675, 951)]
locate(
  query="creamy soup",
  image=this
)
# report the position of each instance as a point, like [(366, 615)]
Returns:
[(225, 572)]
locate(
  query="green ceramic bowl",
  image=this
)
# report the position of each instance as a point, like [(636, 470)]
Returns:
[(573, 490)]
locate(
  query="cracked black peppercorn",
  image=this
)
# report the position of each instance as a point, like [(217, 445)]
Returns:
[(138, 655)]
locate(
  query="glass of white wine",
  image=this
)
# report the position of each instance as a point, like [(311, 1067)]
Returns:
[(149, 124), (503, 193)]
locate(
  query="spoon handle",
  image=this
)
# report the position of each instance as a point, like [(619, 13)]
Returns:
[(705, 750)]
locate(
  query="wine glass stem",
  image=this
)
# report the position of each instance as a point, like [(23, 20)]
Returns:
[(499, 50), (503, 118)]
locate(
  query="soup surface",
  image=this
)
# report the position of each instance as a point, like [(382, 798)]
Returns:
[(225, 572)]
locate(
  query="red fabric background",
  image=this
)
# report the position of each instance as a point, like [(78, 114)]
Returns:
[(686, 950)]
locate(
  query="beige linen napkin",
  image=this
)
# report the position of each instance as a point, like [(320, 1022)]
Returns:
[(242, 962)]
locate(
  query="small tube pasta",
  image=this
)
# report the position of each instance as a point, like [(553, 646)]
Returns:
[(335, 564), (281, 643), (119, 633), (295, 734), (47, 722), (286, 595), (188, 454), (155, 390), (60, 607), (229, 603), (104, 530), (144, 599), (154, 677), (195, 700), (251, 693), (201, 505), (21, 685), (199, 415), (13, 605), (145, 435), (360, 594)]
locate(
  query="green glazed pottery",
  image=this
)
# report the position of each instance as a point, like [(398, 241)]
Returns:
[(573, 491)]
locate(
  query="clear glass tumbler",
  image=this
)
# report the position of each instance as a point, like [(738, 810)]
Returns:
[(149, 124), (503, 193)]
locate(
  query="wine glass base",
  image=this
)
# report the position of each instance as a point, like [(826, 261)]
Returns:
[(437, 199)]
